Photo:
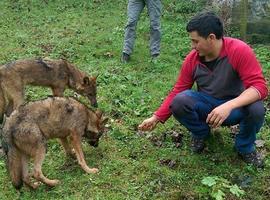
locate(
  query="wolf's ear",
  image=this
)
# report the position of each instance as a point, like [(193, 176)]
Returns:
[(99, 113), (105, 120), (94, 78), (86, 80)]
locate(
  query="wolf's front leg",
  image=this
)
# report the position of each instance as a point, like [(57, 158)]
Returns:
[(38, 175), (14, 91), (69, 151), (58, 92), (26, 175), (76, 143)]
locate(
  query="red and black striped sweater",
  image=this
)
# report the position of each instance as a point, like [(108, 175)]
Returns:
[(236, 69)]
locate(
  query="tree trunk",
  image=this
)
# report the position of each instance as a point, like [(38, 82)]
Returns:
[(243, 19)]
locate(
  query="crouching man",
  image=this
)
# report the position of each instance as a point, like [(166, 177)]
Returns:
[(230, 89)]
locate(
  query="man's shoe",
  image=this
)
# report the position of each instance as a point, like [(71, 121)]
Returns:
[(197, 145), (253, 158), (125, 58)]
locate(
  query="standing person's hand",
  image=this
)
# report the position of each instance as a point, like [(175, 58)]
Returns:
[(148, 124)]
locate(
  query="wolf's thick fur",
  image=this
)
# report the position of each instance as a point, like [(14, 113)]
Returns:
[(26, 131), (57, 74)]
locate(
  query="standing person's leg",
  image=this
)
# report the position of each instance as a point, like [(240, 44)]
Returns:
[(134, 10), (154, 8)]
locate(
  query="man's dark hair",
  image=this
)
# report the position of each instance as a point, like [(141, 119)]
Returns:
[(205, 24)]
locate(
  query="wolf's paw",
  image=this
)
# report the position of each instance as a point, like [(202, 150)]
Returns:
[(35, 185), (53, 183), (92, 170)]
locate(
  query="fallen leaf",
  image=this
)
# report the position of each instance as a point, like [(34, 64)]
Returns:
[(155, 140), (176, 137), (259, 143), (141, 133), (108, 54), (234, 129), (168, 162)]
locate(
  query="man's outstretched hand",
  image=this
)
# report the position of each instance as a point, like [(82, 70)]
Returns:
[(148, 124)]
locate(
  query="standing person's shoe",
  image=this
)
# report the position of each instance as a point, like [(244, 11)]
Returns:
[(125, 58), (1, 149), (253, 158), (154, 58), (197, 145), (1, 152)]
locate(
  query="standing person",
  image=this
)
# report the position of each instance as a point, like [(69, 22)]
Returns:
[(134, 10), (230, 89)]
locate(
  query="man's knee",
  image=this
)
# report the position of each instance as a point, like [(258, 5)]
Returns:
[(181, 105), (256, 110)]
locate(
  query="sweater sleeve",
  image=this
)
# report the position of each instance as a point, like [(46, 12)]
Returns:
[(249, 70), (184, 82)]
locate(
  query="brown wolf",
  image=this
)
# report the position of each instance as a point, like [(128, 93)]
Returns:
[(57, 74), (28, 128)]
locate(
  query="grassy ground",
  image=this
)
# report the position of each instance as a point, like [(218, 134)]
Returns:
[(132, 166)]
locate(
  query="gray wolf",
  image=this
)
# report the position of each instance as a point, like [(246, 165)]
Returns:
[(27, 130), (56, 74)]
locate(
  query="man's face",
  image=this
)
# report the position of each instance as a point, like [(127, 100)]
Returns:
[(201, 45)]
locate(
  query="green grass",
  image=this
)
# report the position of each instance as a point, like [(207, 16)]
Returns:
[(90, 35)]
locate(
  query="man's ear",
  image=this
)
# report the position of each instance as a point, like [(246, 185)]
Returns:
[(212, 36)]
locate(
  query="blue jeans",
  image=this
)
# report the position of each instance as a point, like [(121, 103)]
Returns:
[(191, 108)]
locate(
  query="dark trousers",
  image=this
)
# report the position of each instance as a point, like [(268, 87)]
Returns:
[(191, 108)]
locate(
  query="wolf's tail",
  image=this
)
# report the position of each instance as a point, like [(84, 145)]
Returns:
[(14, 164), (2, 105), (13, 156), (3, 143)]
